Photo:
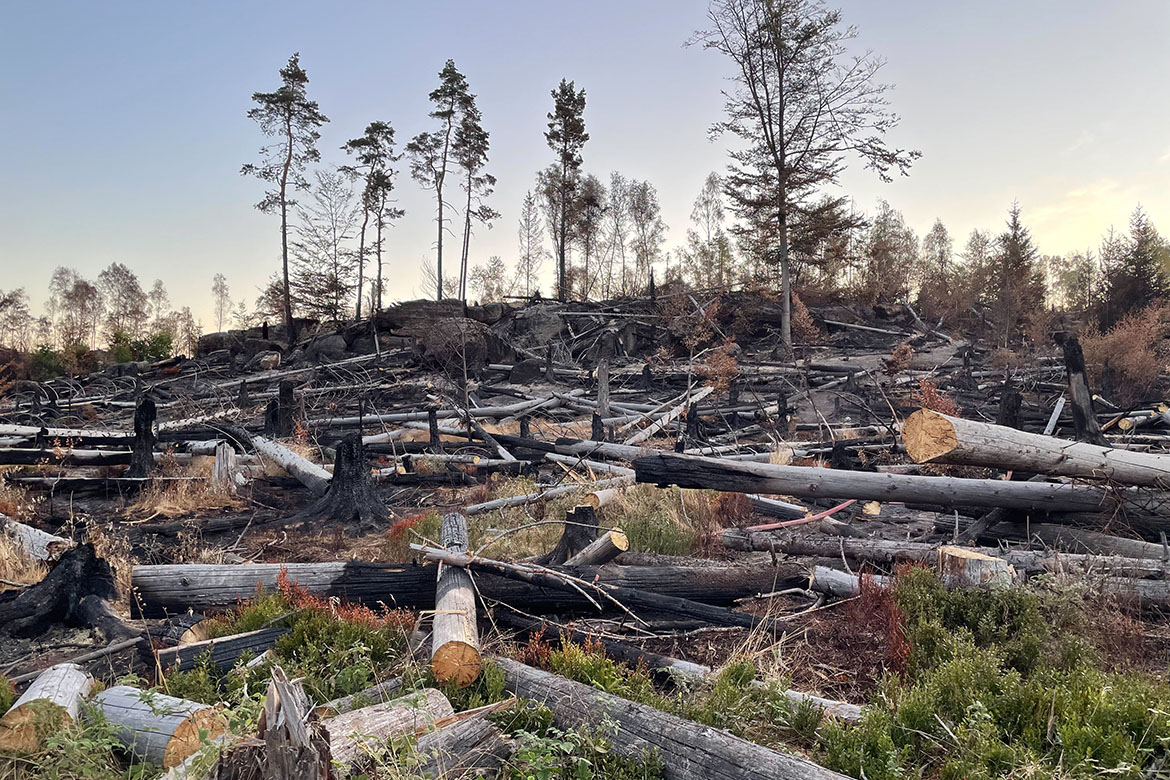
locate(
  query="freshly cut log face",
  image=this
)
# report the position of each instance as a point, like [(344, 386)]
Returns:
[(931, 436), (603, 549), (455, 638), (54, 697), (161, 729), (959, 567)]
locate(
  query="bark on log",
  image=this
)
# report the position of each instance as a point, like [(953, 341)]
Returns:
[(471, 747), (357, 731), (601, 550), (208, 587), (312, 476), (691, 471), (455, 634), (933, 437), (223, 652), (581, 529), (603, 594), (54, 697), (375, 694), (157, 728), (689, 751)]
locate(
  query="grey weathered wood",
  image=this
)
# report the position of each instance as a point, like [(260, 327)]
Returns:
[(689, 751), (56, 694), (469, 747), (309, 474), (601, 550), (375, 694), (690, 471), (223, 651), (933, 437), (157, 728), (356, 731), (37, 544)]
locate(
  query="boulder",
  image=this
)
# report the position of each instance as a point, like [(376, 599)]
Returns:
[(219, 356), (488, 313), (536, 326), (230, 340), (330, 346), (264, 361), (526, 371), (254, 346), (455, 343), (417, 318)]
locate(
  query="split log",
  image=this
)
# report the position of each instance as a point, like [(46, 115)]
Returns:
[(689, 751), (222, 652), (208, 587), (53, 698), (601, 550), (309, 474), (470, 747), (691, 471), (157, 728), (602, 594), (455, 635), (354, 732), (223, 472), (37, 544), (933, 437), (375, 694), (142, 461), (350, 496)]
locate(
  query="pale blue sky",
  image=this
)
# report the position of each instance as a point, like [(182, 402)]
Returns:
[(123, 124)]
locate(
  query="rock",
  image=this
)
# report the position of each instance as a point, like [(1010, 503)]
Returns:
[(488, 313), (264, 361), (455, 343), (417, 318), (537, 326), (331, 346), (254, 346), (219, 356), (526, 371), (230, 340)]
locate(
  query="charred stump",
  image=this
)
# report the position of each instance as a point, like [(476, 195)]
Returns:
[(581, 528), (77, 592), (1081, 400), (351, 496), (278, 416), (142, 461), (1010, 401)]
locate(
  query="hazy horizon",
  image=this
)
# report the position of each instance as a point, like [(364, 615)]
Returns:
[(127, 127)]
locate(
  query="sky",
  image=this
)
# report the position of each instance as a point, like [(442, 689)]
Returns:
[(123, 127)]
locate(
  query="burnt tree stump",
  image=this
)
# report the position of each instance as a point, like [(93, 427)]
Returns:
[(278, 416), (1081, 400), (142, 460), (351, 496), (581, 528)]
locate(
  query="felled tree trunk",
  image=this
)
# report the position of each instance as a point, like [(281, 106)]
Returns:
[(455, 635), (37, 544), (350, 497), (53, 699), (689, 751), (142, 461), (580, 530), (471, 747), (160, 729), (352, 732), (601, 550)]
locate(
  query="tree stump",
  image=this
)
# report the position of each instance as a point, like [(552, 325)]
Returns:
[(351, 496), (76, 592), (581, 529), (142, 461)]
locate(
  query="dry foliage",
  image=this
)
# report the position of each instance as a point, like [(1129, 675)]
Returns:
[(1006, 358), (182, 497), (929, 397), (1126, 361), (15, 501), (300, 599), (16, 566), (721, 367), (899, 359), (804, 330)]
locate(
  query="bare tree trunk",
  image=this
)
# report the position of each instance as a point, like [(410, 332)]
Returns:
[(290, 333), (785, 286), (362, 259)]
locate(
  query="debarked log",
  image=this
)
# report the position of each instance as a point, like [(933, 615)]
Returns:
[(49, 702), (939, 438), (455, 634), (352, 733), (157, 728), (688, 750), (690, 471)]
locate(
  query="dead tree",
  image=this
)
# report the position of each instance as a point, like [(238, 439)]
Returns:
[(351, 496), (581, 528), (278, 417), (142, 461), (1084, 418)]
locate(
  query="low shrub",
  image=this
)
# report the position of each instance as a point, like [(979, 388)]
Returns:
[(1126, 361)]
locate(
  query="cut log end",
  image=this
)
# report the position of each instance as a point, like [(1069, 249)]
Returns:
[(456, 662), (928, 435), (188, 737), (24, 726)]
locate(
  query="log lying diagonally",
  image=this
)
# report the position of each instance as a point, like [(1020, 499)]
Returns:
[(939, 438), (689, 751), (690, 471)]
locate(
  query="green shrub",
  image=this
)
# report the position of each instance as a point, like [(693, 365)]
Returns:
[(46, 363)]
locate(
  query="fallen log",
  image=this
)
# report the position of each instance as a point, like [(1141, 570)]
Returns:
[(222, 652), (175, 588), (601, 550), (309, 474), (581, 529), (553, 492), (690, 471), (375, 694), (470, 747), (672, 415), (933, 437), (52, 699), (157, 728), (455, 634), (355, 732), (599, 592), (37, 544), (688, 750), (1063, 537)]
